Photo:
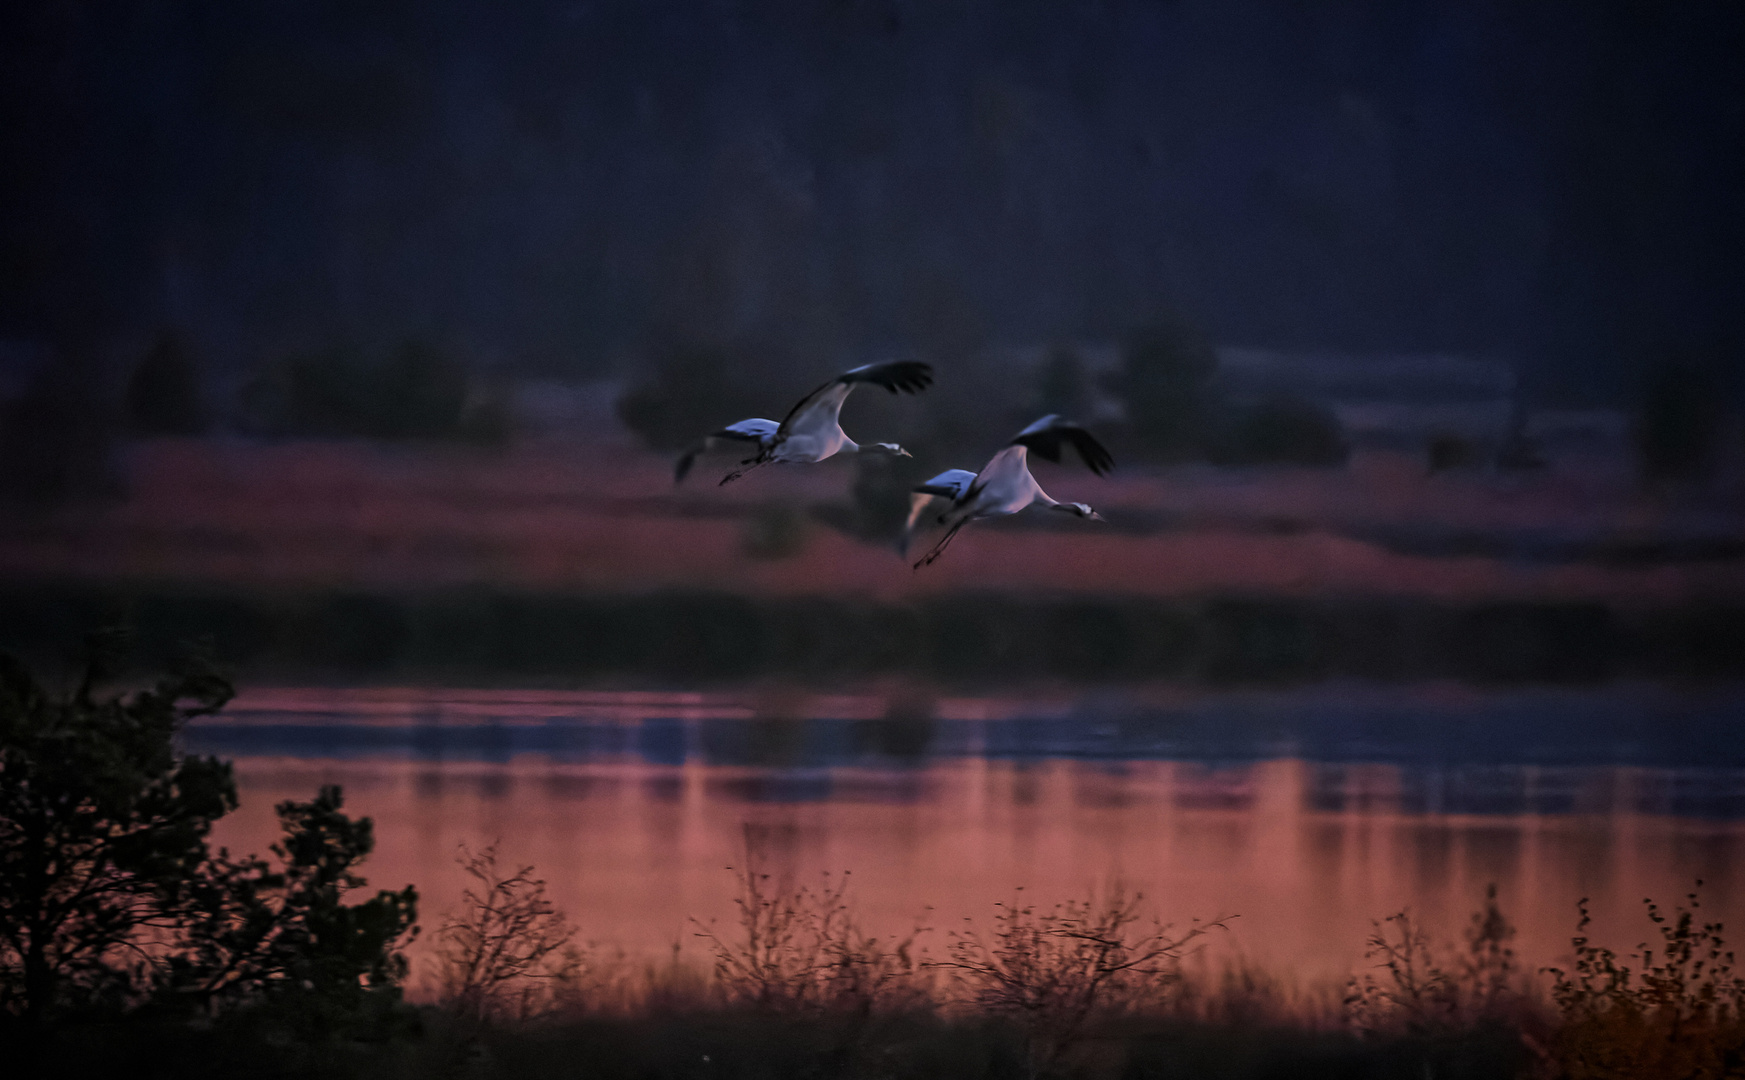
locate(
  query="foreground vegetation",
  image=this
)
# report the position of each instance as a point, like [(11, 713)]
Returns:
[(129, 947)]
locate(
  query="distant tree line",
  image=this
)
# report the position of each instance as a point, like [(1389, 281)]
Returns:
[(1163, 384), (58, 434), (1682, 420), (413, 391)]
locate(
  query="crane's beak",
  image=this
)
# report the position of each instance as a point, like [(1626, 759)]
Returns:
[(1094, 516), (903, 453)]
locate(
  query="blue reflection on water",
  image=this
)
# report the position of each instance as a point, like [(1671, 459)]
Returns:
[(1528, 753)]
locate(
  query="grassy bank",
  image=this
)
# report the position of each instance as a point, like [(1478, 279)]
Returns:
[(476, 637), (1088, 990)]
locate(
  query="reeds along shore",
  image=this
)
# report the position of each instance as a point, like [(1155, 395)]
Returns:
[(1099, 987), (1089, 988)]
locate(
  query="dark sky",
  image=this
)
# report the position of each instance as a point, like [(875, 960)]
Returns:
[(554, 185)]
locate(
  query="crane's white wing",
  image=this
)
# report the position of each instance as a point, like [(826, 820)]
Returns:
[(755, 430), (950, 484)]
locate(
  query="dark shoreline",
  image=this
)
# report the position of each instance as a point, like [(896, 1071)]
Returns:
[(969, 641)]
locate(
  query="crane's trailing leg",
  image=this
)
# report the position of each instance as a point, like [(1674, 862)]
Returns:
[(744, 467), (944, 542)]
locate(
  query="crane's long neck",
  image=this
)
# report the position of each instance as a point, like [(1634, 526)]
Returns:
[(889, 448), (1077, 509)]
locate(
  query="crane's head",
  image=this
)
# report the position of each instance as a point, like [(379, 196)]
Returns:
[(1083, 511), (890, 448)]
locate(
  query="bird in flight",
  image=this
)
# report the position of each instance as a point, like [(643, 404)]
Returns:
[(1005, 486), (812, 430)]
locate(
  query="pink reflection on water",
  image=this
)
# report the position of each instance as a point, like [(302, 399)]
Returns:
[(632, 850)]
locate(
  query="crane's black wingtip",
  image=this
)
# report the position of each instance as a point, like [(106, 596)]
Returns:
[(898, 376), (910, 377)]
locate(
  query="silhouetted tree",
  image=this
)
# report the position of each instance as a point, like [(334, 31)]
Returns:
[(1679, 428), (1447, 450), (416, 392), (1164, 370), (693, 388), (163, 394), (252, 935), (111, 900), (99, 820), (1281, 430), (1060, 384), (57, 439), (420, 393)]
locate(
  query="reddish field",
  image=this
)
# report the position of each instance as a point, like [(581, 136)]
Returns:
[(607, 518)]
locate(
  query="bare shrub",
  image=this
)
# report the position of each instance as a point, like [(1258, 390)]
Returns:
[(1054, 971), (1415, 992), (501, 954), (1491, 980), (865, 974), (801, 949), (1424, 989), (1680, 1014)]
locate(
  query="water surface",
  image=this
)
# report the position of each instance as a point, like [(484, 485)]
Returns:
[(1304, 815)]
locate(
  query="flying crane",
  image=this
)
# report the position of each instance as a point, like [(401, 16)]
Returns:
[(812, 430), (1005, 486)]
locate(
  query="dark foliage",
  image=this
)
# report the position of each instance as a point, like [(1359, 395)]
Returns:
[(692, 389), (114, 910), (100, 822), (1282, 430), (1061, 384), (1679, 428), (1448, 451), (163, 395), (881, 489), (926, 1046), (1676, 1010), (959, 638), (415, 392), (57, 438), (1164, 369), (282, 940)]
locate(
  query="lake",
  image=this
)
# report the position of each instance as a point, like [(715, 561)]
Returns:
[(1300, 816)]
